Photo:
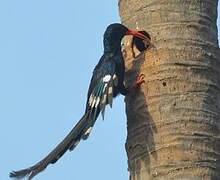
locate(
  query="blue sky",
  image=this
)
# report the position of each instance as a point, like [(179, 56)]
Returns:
[(48, 50)]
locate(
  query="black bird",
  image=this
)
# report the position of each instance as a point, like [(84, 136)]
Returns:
[(140, 44), (106, 83)]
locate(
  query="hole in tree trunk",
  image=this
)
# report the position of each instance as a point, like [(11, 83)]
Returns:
[(164, 83)]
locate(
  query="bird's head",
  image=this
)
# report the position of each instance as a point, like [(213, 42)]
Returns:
[(114, 34)]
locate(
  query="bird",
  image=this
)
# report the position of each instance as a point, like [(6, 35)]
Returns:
[(140, 44), (106, 83)]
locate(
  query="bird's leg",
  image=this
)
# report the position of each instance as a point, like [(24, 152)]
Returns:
[(139, 80)]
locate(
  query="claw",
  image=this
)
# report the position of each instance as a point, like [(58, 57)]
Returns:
[(139, 80)]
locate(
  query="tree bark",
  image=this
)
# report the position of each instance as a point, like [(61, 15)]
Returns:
[(173, 121)]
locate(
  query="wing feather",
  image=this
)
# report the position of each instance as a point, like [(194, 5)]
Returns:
[(101, 92)]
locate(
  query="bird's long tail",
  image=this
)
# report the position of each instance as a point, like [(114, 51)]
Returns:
[(69, 142)]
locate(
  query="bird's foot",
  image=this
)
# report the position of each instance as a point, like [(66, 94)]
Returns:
[(139, 80), (136, 85)]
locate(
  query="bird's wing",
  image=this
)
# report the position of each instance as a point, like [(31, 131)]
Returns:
[(101, 89)]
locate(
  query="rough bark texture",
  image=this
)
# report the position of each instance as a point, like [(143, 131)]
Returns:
[(174, 119)]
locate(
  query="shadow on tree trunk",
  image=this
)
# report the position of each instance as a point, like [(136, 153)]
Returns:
[(139, 118), (182, 91)]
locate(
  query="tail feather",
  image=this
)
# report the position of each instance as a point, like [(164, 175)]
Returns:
[(69, 142), (73, 145)]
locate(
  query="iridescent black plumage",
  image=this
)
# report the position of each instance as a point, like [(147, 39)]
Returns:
[(106, 83)]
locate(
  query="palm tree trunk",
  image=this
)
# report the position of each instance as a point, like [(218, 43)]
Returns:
[(174, 119)]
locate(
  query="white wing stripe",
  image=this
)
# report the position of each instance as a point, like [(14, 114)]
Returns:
[(97, 102), (93, 102), (104, 99), (91, 99), (110, 90)]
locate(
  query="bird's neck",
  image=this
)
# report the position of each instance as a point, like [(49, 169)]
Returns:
[(112, 45), (112, 50), (115, 56)]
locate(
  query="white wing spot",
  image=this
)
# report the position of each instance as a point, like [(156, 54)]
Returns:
[(104, 99), (97, 102), (110, 90), (106, 78), (88, 131), (104, 87), (91, 100)]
